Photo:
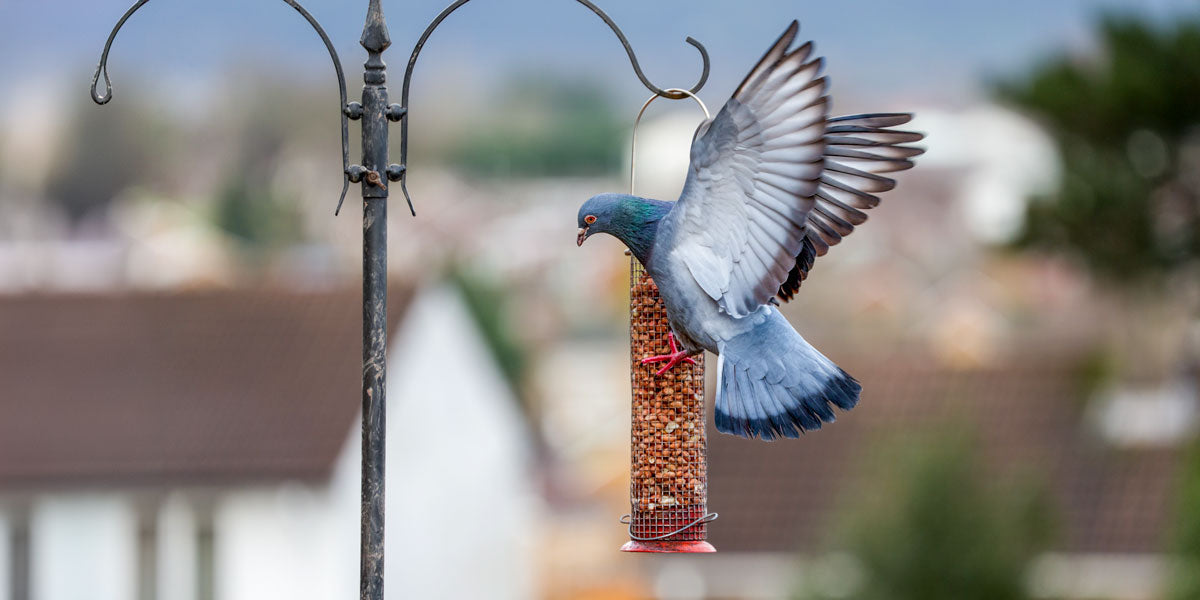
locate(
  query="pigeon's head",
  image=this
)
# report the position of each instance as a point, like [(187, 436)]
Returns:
[(601, 214)]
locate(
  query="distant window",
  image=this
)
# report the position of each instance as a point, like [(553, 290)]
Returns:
[(205, 559), (1162, 415), (19, 567), (147, 557)]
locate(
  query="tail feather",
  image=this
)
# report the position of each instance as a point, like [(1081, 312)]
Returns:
[(777, 411), (772, 383)]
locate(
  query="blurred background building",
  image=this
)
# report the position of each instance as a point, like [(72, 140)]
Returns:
[(179, 315), (198, 449)]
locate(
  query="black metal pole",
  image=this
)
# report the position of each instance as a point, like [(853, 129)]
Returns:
[(375, 193)]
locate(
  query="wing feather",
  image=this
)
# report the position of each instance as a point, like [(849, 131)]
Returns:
[(774, 182), (755, 169), (858, 148)]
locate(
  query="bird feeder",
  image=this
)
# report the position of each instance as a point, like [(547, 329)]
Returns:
[(668, 471), (668, 462)]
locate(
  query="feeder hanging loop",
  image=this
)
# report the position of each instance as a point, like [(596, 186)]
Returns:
[(638, 121)]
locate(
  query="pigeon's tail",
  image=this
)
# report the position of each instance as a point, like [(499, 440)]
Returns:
[(772, 383)]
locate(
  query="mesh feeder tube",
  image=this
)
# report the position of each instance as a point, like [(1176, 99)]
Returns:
[(668, 474)]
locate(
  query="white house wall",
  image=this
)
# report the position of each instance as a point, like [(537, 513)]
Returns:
[(460, 499), (274, 543), (83, 546), (461, 504)]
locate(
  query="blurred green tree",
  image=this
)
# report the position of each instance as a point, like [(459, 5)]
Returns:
[(1128, 129), (253, 214), (250, 206), (489, 303), (928, 526), (107, 153), (1126, 124), (1184, 581), (544, 127)]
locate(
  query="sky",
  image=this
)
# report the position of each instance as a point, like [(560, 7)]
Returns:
[(931, 51)]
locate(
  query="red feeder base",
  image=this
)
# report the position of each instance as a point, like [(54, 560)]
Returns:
[(696, 547)]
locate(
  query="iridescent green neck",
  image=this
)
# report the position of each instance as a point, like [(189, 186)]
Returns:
[(635, 222)]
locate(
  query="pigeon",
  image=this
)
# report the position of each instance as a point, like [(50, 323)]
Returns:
[(773, 183)]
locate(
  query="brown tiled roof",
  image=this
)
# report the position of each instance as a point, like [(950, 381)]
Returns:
[(786, 495), (195, 387)]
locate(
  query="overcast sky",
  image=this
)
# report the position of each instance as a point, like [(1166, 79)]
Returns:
[(933, 51)]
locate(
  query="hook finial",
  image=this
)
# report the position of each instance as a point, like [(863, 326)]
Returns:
[(102, 68), (375, 36)]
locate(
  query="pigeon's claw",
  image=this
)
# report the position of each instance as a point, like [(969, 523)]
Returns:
[(675, 357)]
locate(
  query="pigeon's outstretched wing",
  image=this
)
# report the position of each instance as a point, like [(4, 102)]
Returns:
[(774, 182), (755, 170), (858, 148)]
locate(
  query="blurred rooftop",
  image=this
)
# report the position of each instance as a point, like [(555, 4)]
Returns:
[(179, 388)]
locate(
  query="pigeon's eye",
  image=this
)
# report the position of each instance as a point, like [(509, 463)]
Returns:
[(589, 219)]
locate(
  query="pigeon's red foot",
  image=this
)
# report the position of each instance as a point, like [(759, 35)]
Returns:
[(675, 357)]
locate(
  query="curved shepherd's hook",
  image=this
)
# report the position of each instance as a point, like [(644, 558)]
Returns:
[(102, 70), (671, 93)]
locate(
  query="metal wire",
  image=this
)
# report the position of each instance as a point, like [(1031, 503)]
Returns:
[(638, 121), (627, 519)]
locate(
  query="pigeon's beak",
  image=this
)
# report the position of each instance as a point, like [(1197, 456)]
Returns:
[(583, 234)]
